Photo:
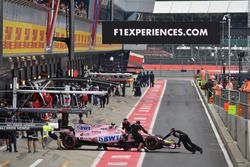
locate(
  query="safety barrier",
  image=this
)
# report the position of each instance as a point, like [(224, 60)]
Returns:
[(235, 116)]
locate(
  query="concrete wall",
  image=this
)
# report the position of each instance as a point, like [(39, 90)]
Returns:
[(248, 140), (242, 135), (224, 116), (232, 126)]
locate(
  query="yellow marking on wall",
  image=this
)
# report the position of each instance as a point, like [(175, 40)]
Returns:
[(20, 37)]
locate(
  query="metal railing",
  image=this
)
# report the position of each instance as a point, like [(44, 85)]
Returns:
[(238, 98)]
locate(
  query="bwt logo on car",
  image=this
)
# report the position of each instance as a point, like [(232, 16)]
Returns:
[(110, 138), (83, 128)]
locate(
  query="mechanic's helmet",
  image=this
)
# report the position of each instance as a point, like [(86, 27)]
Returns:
[(138, 122)]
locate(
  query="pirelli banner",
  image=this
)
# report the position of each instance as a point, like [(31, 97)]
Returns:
[(21, 38), (161, 32)]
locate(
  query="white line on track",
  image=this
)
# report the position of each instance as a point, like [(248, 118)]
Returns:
[(121, 156), (99, 156), (225, 153), (152, 124), (117, 164), (37, 162)]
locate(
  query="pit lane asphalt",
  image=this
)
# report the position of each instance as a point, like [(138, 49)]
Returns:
[(181, 109)]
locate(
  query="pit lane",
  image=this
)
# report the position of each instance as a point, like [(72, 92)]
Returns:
[(181, 108)]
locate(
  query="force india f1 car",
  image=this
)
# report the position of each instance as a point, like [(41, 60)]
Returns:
[(108, 136)]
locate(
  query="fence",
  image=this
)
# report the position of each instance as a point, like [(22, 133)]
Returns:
[(235, 116)]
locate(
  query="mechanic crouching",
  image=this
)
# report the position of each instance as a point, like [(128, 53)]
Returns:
[(135, 128), (183, 137), (126, 125)]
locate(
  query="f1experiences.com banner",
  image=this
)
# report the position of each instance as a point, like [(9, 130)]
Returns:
[(161, 32)]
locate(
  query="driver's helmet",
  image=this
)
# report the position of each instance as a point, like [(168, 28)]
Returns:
[(112, 124), (172, 129), (138, 122)]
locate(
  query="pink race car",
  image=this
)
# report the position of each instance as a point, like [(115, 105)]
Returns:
[(108, 136)]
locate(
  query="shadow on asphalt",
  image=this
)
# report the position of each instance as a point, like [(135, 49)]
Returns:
[(150, 151)]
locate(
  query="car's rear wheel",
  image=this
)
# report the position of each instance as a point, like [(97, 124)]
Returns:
[(152, 142), (69, 142)]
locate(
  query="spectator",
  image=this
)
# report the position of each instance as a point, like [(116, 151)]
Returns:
[(32, 137), (152, 79), (85, 99), (102, 100), (208, 86), (67, 100), (147, 78), (12, 139), (80, 6), (117, 93), (123, 89), (229, 85), (108, 94)]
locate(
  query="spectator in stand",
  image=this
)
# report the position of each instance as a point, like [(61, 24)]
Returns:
[(80, 6)]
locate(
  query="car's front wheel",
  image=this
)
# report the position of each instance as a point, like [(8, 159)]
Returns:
[(152, 142)]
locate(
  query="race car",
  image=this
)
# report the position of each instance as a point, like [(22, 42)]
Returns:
[(108, 136)]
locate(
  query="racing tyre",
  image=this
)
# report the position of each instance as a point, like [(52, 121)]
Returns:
[(69, 142), (151, 142)]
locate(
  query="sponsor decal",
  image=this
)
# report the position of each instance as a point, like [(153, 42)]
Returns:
[(21, 37), (110, 138), (82, 127)]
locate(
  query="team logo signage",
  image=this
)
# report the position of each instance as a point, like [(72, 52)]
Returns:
[(161, 32), (110, 138)]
